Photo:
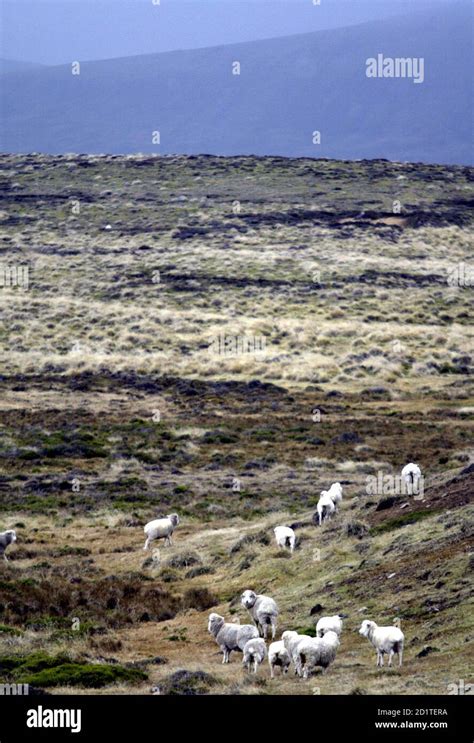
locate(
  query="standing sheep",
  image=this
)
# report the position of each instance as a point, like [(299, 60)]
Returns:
[(329, 624), (335, 493), (161, 529), (411, 474), (278, 656), (325, 507), (6, 538), (291, 641), (285, 537), (255, 652), (385, 640), (263, 611), (229, 636), (317, 651)]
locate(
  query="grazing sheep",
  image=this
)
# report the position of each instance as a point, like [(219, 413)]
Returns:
[(335, 493), (385, 640), (6, 538), (317, 651), (291, 641), (161, 529), (411, 473), (329, 624), (263, 611), (325, 507), (230, 636), (278, 656), (255, 651), (285, 537)]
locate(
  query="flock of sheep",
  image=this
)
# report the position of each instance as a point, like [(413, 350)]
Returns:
[(306, 653)]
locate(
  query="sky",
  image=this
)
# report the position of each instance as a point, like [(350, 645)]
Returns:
[(56, 32)]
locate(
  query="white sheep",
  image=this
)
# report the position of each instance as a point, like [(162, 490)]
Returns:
[(263, 611), (335, 493), (255, 652), (230, 636), (411, 474), (317, 651), (6, 538), (325, 507), (291, 640), (285, 537), (329, 624), (278, 655), (385, 640), (161, 529)]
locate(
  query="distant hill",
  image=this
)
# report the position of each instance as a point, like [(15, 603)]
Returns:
[(287, 88)]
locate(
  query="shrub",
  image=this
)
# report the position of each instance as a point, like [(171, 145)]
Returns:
[(188, 683), (87, 675)]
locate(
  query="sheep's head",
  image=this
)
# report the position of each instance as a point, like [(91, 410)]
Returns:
[(287, 637), (215, 623), (174, 518), (11, 535), (366, 627), (248, 599)]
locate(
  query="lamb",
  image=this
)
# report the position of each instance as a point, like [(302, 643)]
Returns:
[(329, 624), (263, 611), (230, 636), (291, 641), (385, 640), (411, 473), (317, 651), (161, 529), (255, 651), (325, 507), (335, 493), (278, 656), (285, 537), (6, 538)]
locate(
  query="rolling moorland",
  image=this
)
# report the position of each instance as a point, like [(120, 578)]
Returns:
[(118, 405)]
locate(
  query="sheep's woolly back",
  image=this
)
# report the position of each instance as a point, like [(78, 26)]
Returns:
[(278, 654), (255, 649)]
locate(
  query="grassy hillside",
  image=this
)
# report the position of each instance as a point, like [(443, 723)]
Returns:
[(117, 406)]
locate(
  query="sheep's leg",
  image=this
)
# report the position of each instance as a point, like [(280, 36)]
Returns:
[(400, 657), (390, 656), (272, 674), (147, 542), (255, 666), (5, 557), (273, 628)]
